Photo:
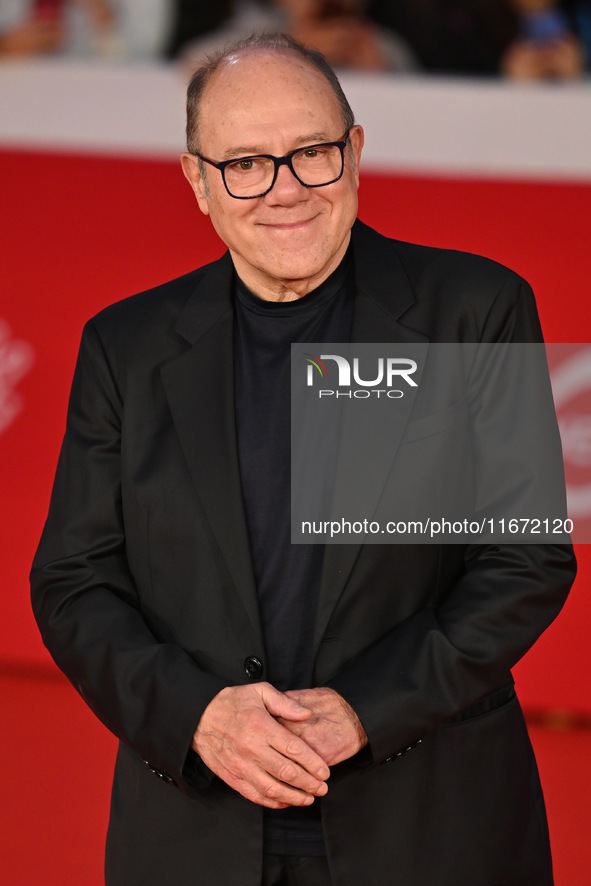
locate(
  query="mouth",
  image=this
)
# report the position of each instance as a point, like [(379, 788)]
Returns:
[(288, 225)]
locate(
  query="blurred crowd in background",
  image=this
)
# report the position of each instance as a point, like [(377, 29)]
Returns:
[(519, 39)]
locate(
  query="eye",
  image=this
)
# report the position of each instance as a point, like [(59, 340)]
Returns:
[(245, 165), (314, 153)]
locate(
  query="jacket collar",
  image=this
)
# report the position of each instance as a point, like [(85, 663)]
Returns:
[(210, 301), (384, 292)]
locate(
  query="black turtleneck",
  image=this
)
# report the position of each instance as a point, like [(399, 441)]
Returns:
[(287, 576)]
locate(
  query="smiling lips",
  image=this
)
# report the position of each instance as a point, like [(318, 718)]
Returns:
[(287, 226)]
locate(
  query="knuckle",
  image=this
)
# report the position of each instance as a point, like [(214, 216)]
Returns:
[(272, 791), (294, 747), (243, 743), (248, 739), (247, 791), (274, 804), (238, 766), (236, 770), (287, 772), (303, 800), (258, 721)]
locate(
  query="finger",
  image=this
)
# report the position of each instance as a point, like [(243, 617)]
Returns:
[(283, 755), (269, 782), (269, 792), (294, 727), (288, 773), (279, 704), (300, 755), (274, 749), (299, 696), (278, 781)]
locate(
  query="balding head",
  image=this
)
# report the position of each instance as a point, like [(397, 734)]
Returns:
[(258, 43)]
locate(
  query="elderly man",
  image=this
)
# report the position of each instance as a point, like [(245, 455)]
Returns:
[(287, 714)]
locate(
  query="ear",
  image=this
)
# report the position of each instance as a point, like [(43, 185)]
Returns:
[(190, 164), (357, 138)]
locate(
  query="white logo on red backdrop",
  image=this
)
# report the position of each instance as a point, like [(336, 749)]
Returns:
[(570, 368), (16, 358)]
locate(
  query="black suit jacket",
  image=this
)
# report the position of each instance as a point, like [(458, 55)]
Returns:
[(144, 593)]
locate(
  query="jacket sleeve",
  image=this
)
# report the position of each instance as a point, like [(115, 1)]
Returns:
[(445, 657), (149, 693)]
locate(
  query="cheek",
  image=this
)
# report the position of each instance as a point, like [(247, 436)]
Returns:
[(349, 203), (232, 227)]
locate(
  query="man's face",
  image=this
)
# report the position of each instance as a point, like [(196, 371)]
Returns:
[(263, 102)]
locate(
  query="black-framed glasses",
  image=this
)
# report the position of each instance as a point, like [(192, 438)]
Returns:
[(313, 166)]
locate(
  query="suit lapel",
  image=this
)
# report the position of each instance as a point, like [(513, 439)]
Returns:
[(199, 385), (383, 295)]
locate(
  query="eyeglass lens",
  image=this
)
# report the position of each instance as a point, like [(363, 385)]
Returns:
[(313, 166)]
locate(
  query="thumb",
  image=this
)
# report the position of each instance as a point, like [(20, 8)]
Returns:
[(280, 705)]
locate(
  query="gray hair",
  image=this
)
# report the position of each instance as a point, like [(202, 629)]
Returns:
[(274, 41)]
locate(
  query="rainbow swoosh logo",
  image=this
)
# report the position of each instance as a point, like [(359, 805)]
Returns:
[(317, 363)]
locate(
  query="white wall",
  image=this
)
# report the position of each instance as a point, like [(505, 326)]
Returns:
[(457, 126)]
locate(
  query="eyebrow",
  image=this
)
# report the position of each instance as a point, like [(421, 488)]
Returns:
[(312, 138)]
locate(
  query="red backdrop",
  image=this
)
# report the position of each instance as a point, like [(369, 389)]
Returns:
[(84, 231)]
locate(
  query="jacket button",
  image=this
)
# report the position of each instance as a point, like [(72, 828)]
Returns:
[(253, 667)]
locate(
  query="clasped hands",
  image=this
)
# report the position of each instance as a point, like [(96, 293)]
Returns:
[(275, 748)]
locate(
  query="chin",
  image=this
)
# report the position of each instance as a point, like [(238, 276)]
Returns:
[(295, 273), (300, 264)]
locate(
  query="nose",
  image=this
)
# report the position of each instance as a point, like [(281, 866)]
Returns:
[(287, 189)]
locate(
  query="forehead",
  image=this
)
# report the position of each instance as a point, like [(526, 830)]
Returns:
[(263, 93)]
